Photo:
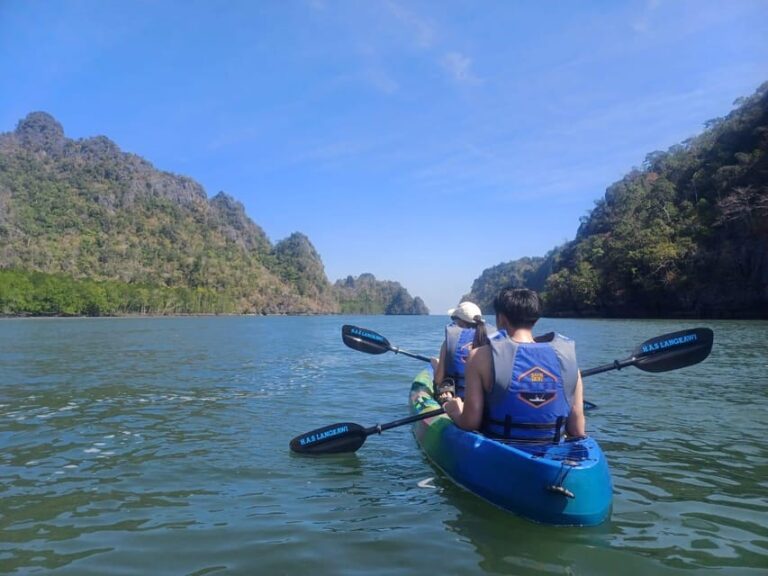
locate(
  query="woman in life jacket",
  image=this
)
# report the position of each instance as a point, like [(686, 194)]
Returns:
[(520, 388), (466, 332)]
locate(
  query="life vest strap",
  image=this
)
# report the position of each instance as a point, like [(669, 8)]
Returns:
[(558, 429), (508, 425), (507, 422)]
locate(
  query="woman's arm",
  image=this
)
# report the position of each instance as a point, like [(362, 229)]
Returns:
[(469, 413), (439, 367)]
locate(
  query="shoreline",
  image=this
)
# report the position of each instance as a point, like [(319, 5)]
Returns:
[(297, 315)]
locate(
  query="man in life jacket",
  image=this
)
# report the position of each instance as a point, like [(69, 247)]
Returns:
[(466, 331), (521, 388)]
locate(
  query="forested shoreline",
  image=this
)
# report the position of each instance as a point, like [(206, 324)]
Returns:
[(685, 236), (29, 293), (87, 229)]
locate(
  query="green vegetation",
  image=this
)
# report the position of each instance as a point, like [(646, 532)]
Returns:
[(40, 294), (529, 272), (686, 236), (366, 295), (88, 229), (298, 263)]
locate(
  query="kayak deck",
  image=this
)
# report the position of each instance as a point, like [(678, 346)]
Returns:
[(565, 484)]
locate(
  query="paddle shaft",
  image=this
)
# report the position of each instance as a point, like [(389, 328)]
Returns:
[(379, 428), (410, 354), (615, 365)]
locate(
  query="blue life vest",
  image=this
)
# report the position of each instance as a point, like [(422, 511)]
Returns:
[(533, 388), (458, 345)]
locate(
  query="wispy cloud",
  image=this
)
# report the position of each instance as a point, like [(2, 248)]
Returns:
[(381, 80), (653, 110), (459, 67), (405, 34), (423, 32)]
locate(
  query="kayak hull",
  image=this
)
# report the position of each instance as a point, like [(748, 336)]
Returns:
[(566, 484)]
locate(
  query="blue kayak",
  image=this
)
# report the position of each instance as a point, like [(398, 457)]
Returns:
[(566, 484)]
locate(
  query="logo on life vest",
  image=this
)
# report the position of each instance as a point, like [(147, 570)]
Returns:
[(538, 378), (537, 399)]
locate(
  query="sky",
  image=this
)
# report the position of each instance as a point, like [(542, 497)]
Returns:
[(422, 142)]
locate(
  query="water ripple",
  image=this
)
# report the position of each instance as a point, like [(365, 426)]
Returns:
[(128, 440)]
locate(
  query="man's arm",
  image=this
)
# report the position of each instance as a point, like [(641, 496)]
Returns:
[(576, 424)]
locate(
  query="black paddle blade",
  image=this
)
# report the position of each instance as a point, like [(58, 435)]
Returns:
[(674, 350), (332, 439), (364, 340)]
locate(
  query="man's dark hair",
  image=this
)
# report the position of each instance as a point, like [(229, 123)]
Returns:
[(520, 306)]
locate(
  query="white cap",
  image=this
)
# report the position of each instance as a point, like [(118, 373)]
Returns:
[(465, 311)]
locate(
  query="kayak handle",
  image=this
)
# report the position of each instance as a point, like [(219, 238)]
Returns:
[(561, 490)]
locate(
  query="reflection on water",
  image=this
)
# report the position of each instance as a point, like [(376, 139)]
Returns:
[(161, 446)]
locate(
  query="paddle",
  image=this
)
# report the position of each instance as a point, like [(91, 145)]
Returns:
[(372, 342), (660, 354), (347, 436), (666, 352)]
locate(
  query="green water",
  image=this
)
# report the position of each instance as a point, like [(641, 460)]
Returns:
[(160, 446)]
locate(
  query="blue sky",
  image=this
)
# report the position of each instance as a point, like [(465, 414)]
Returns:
[(420, 141)]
